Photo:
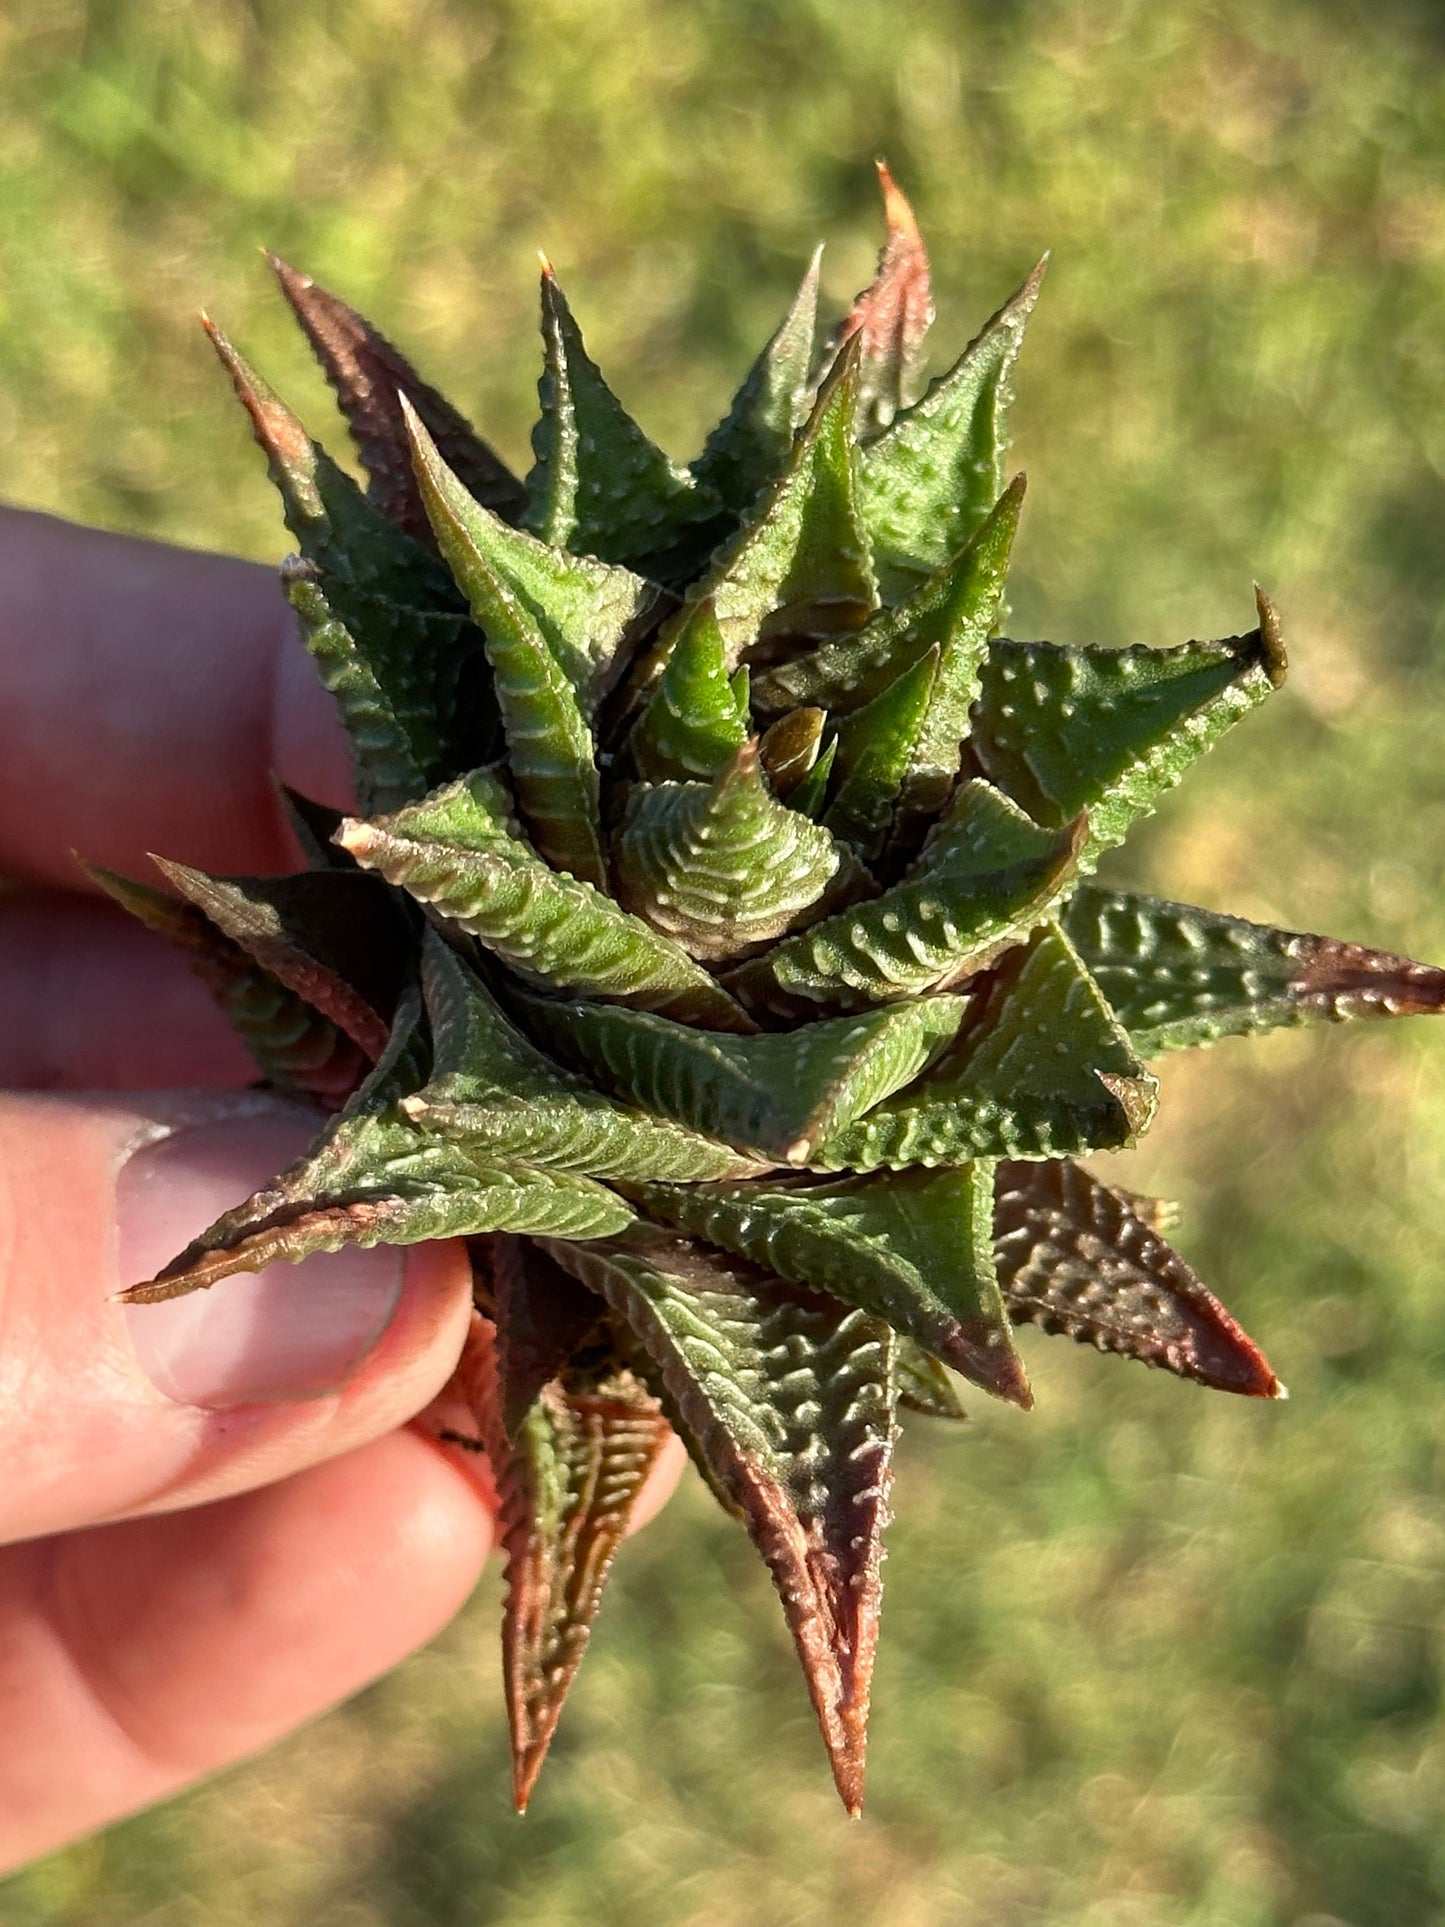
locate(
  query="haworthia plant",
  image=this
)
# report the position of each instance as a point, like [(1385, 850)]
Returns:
[(715, 948)]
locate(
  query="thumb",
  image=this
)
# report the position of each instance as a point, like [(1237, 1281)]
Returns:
[(109, 1410)]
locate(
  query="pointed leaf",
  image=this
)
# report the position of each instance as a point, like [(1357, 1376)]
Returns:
[(778, 1094), (373, 1177), (891, 315), (1176, 975), (1039, 1069), (751, 443), (1110, 730), (336, 528), (369, 375), (693, 724), (461, 852), (434, 1193), (924, 1386), (800, 566), (931, 477), (876, 747), (295, 1047), (786, 1399), (982, 881), (915, 1249), (550, 748), (334, 938), (1075, 1256), (493, 1092), (811, 795), (371, 656), (954, 610), (599, 486), (587, 612), (543, 1318), (723, 867)]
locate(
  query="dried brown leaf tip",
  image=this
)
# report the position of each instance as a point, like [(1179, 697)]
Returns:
[(716, 947), (893, 313)]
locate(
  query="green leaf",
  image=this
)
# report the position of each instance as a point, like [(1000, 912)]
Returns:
[(369, 376), (1039, 1069), (915, 1248), (953, 610), (984, 878), (599, 486), (800, 566), (777, 1094), (751, 443), (434, 1192), (588, 612), (930, 479), (550, 747), (786, 1399), (924, 1386), (1176, 975), (723, 867), (389, 668), (891, 316), (1110, 730), (313, 825), (811, 795), (493, 1092), (461, 852), (693, 724), (294, 1046), (1076, 1256), (333, 937), (876, 746), (337, 530)]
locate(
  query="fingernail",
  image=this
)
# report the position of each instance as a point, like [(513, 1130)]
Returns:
[(291, 1331)]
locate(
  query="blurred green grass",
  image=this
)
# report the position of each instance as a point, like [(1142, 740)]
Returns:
[(1152, 1658)]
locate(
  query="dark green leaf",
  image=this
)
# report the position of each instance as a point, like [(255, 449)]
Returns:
[(985, 877), (461, 852), (914, 1248), (751, 443), (1176, 975), (550, 747), (494, 1093), (1110, 730), (786, 1399), (778, 1094), (930, 479), (1039, 1069), (723, 867), (599, 486), (924, 1385)]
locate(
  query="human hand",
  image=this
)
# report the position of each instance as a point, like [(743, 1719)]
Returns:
[(213, 1522)]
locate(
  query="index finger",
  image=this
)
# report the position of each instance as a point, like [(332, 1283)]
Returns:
[(147, 694)]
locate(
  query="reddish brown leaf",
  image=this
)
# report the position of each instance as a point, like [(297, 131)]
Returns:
[(787, 1400), (893, 313), (1334, 979), (543, 1316), (1076, 1256), (368, 375), (295, 1045)]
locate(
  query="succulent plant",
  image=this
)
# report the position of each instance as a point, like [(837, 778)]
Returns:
[(716, 947)]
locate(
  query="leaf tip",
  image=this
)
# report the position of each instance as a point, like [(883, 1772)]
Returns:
[(1273, 654)]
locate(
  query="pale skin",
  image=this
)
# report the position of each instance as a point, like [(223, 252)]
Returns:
[(146, 695)]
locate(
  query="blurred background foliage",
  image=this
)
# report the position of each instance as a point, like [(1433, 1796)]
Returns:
[(1153, 1658)]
